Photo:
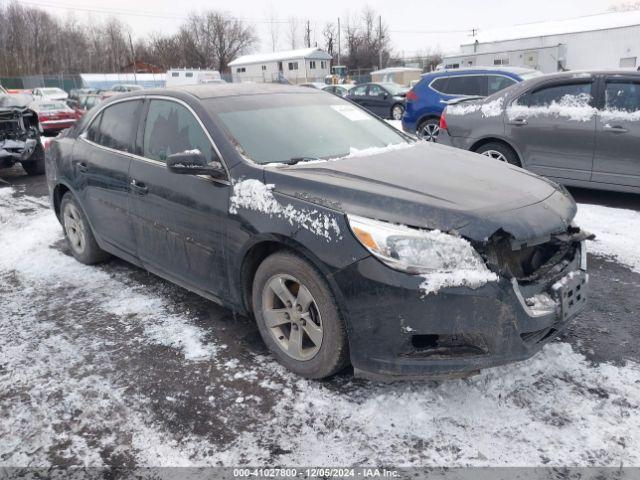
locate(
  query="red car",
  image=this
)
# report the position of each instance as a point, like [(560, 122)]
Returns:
[(54, 116)]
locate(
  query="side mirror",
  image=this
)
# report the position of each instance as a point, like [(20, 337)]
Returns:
[(385, 95), (192, 162)]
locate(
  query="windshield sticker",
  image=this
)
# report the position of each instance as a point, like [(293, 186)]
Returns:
[(352, 113)]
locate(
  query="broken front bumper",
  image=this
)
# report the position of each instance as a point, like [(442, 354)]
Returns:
[(396, 332), (12, 151)]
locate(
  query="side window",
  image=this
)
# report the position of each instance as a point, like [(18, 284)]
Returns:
[(94, 129), (465, 85), (440, 84), (360, 91), (172, 128), (495, 83), (622, 96), (376, 91), (118, 125), (558, 93)]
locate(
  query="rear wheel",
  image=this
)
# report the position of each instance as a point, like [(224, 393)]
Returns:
[(298, 317), (78, 234), (35, 164), (429, 129), (397, 111), (501, 152)]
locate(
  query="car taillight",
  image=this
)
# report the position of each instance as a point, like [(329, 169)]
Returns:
[(443, 121), (411, 96)]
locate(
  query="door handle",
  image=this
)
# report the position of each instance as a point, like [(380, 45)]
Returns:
[(518, 121), (614, 128), (82, 167), (139, 187)]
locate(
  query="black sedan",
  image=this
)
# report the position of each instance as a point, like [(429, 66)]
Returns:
[(346, 240), (386, 100)]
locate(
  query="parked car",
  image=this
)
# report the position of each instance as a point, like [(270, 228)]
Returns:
[(341, 90), (126, 88), (77, 93), (50, 93), (579, 129), (344, 238), (54, 116), (84, 103), (427, 99), (20, 135), (316, 85), (383, 99)]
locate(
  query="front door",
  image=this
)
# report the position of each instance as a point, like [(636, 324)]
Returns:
[(378, 101), (553, 128), (617, 158), (101, 159), (179, 219)]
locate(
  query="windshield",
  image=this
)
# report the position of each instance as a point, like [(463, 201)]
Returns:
[(282, 127), (50, 106), (51, 91), (15, 100), (394, 88)]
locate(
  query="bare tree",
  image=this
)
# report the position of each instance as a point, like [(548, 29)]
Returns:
[(330, 34), (274, 28), (292, 33)]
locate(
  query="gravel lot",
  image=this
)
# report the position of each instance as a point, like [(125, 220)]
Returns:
[(112, 366)]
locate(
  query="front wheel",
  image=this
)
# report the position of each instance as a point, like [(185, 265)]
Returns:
[(397, 111), (500, 152), (298, 316), (35, 164)]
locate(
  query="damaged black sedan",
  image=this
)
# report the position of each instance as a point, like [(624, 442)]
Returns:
[(20, 135), (345, 239)]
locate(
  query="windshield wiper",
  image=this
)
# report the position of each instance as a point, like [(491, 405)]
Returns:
[(294, 160)]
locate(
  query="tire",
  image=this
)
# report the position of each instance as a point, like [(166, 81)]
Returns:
[(499, 151), (310, 341), (429, 129), (35, 164), (397, 111), (78, 234)]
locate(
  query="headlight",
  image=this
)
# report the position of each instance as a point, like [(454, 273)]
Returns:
[(413, 250)]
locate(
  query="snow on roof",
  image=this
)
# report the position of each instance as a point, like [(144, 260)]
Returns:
[(396, 70), (588, 23), (283, 55)]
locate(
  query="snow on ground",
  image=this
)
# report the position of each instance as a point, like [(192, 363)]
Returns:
[(616, 233), (80, 383)]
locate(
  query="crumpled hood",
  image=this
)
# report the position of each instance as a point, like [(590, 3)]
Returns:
[(434, 187)]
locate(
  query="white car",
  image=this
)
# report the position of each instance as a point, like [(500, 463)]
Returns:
[(50, 93)]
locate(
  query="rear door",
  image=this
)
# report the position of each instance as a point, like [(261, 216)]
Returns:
[(617, 158), (553, 128), (358, 95), (101, 161), (179, 219), (378, 101)]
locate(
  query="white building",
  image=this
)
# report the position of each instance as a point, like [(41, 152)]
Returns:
[(297, 66), (609, 40)]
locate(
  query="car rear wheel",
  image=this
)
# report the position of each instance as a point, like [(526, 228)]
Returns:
[(397, 111), (35, 164), (500, 152), (298, 316), (429, 129), (78, 234)]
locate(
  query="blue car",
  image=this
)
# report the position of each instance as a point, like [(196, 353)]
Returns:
[(427, 99)]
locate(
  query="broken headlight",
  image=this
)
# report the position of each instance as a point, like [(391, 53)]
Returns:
[(413, 250)]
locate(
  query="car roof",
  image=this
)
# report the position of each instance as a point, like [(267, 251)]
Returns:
[(479, 70), (204, 91)]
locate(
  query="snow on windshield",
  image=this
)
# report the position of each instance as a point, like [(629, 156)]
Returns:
[(572, 107), (254, 195)]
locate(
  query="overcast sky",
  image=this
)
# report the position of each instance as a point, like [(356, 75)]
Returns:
[(414, 25)]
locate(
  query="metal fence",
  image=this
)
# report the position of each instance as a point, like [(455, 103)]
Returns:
[(63, 81)]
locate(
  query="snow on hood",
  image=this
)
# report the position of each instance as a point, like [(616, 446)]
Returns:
[(572, 107), (251, 194)]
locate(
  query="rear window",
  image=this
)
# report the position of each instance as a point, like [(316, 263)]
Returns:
[(465, 85), (116, 126), (495, 83)]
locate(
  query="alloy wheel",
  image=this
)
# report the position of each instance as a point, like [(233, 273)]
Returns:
[(429, 132), (397, 112), (495, 155), (292, 317), (74, 228)]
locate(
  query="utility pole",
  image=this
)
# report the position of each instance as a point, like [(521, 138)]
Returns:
[(339, 41), (308, 35), (133, 60), (381, 43)]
